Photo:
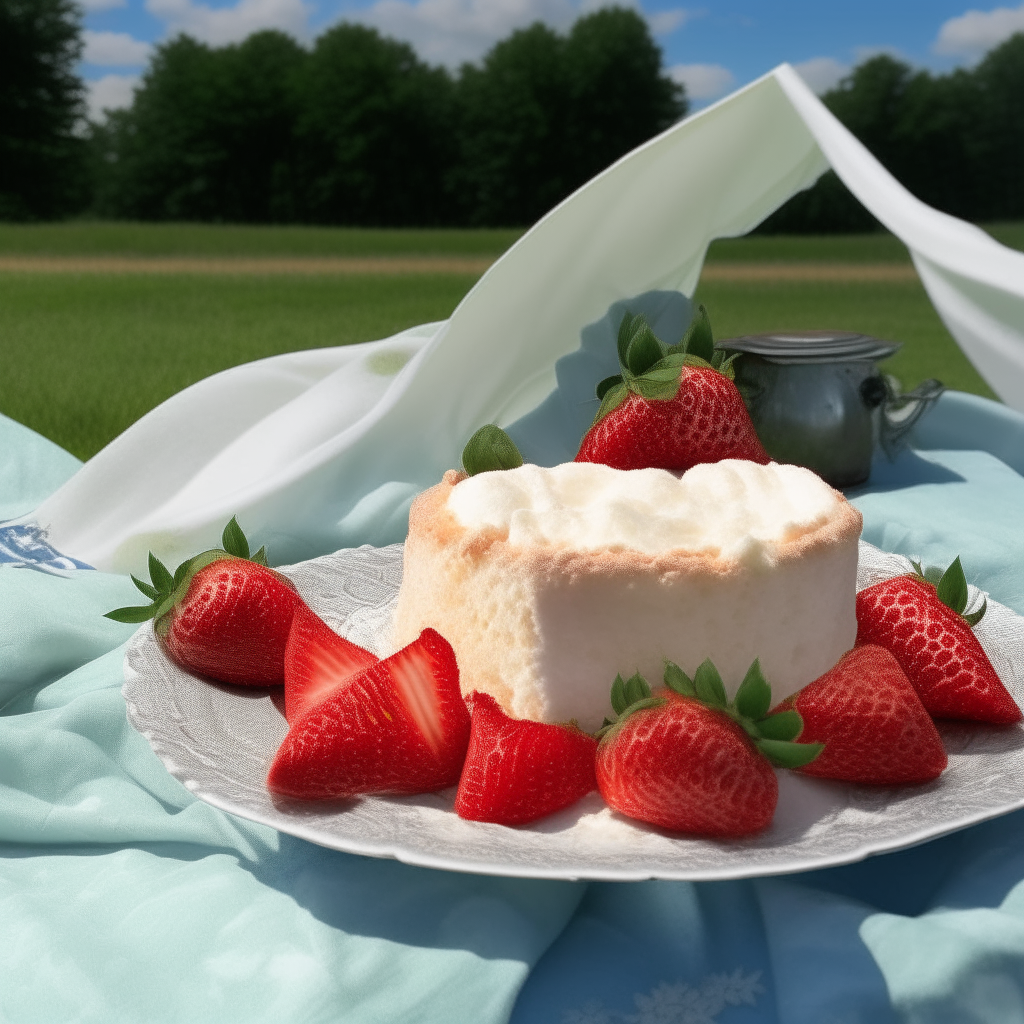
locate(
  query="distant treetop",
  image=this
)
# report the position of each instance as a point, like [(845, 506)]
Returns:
[(359, 130), (41, 104)]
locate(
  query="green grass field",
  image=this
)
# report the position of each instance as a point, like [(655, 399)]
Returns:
[(86, 238), (85, 355), (82, 356), (897, 311), (880, 247)]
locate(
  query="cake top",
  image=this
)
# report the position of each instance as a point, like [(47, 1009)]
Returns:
[(732, 509)]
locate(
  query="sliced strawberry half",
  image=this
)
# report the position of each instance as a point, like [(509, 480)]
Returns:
[(518, 770), (316, 662), (399, 726), (871, 720)]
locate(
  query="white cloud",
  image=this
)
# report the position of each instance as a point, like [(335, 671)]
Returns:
[(863, 53), (102, 5), (111, 92), (822, 73), (114, 49), (974, 32), (703, 81), (589, 6), (441, 31), (221, 25), (664, 23), (453, 31)]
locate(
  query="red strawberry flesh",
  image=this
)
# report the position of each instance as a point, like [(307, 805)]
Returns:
[(316, 662), (937, 650), (689, 768), (518, 770), (232, 623), (399, 726), (871, 720)]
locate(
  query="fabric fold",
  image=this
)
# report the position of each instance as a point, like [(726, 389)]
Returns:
[(296, 444)]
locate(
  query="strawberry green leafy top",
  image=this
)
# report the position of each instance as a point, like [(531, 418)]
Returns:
[(651, 369), (773, 735), (951, 589), (166, 590)]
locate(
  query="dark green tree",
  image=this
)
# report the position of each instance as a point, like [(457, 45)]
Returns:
[(42, 161), (933, 142), (956, 141), (998, 145), (514, 123), (261, 103), (828, 207), (619, 95), (544, 113), (870, 102), (375, 132), (209, 135)]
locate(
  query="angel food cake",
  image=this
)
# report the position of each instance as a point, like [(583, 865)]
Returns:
[(549, 582)]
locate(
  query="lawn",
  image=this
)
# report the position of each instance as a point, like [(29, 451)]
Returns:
[(879, 247), (84, 355), (896, 311), (86, 238)]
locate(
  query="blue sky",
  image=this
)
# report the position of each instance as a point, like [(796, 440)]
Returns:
[(712, 48)]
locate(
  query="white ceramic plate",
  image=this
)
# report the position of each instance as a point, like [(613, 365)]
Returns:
[(219, 740)]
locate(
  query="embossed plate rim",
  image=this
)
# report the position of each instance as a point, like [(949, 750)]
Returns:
[(422, 847)]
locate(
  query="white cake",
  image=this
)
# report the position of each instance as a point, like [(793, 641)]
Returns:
[(549, 582)]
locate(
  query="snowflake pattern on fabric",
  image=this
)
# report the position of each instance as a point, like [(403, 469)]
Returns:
[(24, 545), (679, 1003)]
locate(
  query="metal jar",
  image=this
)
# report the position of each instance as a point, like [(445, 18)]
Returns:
[(818, 400)]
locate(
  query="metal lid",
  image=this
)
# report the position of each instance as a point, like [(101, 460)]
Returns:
[(812, 346)]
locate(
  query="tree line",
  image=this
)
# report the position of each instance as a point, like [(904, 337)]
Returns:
[(356, 129), (956, 141)]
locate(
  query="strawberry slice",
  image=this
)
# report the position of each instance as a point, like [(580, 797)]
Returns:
[(223, 614), (689, 761), (871, 720), (518, 770), (316, 662), (921, 622), (671, 407), (399, 726)]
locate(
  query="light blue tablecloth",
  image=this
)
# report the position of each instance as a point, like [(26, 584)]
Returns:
[(122, 898)]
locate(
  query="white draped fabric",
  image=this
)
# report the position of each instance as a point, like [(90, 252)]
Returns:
[(323, 449)]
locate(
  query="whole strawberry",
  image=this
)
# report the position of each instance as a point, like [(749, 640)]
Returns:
[(222, 614), (871, 720), (399, 726), (921, 622), (691, 762), (671, 407), (518, 770)]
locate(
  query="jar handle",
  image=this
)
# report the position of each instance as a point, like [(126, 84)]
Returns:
[(901, 411)]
